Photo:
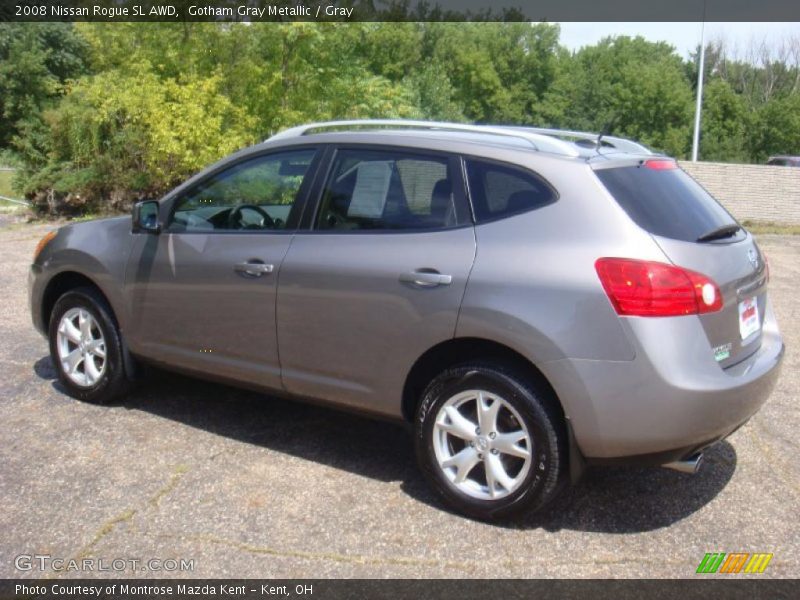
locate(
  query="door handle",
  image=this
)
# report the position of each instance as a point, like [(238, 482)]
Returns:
[(253, 269), (426, 278)]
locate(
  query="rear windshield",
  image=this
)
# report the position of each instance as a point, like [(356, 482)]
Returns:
[(665, 202)]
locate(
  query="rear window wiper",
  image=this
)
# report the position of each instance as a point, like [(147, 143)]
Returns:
[(720, 233)]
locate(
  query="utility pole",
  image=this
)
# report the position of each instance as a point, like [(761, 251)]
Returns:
[(698, 109)]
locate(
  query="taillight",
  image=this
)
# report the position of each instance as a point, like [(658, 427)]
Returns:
[(653, 289)]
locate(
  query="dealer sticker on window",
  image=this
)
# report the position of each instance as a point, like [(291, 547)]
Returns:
[(748, 317)]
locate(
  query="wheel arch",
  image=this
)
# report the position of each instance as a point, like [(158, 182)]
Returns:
[(459, 350), (63, 282)]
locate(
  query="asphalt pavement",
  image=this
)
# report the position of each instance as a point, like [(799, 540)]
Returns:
[(237, 484)]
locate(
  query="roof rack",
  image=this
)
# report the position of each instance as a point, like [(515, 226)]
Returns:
[(539, 141), (618, 143)]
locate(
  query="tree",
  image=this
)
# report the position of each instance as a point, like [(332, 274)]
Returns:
[(630, 87), (106, 110), (778, 128), (36, 59), (499, 72), (725, 124), (133, 134)]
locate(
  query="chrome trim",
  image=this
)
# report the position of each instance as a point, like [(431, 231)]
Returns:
[(540, 142), (618, 143)]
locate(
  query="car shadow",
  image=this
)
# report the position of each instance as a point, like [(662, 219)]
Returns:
[(633, 500), (607, 500)]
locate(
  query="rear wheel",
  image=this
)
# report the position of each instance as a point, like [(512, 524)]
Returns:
[(86, 348), (490, 441)]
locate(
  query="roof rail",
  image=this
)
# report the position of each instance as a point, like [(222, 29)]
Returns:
[(618, 143), (540, 142)]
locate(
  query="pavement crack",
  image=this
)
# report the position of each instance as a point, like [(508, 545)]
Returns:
[(359, 559), (177, 474), (105, 529), (465, 566), (127, 515)]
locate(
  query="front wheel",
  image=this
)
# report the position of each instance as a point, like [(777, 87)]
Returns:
[(86, 348), (490, 441)]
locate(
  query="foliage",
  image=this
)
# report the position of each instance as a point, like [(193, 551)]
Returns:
[(778, 127), (5, 184), (725, 125), (35, 61), (98, 114), (629, 87), (133, 132)]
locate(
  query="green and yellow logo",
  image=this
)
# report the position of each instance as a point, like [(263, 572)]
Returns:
[(735, 562)]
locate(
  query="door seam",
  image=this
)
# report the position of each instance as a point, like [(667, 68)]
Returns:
[(466, 283)]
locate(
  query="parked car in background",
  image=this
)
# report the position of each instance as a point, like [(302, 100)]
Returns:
[(529, 301), (784, 161)]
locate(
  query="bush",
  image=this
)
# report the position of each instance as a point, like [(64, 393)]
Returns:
[(119, 136)]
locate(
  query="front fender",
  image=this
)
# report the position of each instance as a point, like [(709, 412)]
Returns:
[(95, 250)]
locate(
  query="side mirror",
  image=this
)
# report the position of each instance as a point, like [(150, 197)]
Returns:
[(145, 217)]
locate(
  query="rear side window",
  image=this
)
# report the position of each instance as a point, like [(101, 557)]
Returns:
[(498, 191), (387, 190), (665, 201)]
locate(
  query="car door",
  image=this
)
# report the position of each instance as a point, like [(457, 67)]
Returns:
[(377, 279), (203, 290)]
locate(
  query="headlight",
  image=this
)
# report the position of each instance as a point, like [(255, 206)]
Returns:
[(42, 243)]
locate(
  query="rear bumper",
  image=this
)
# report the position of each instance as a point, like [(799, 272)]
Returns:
[(668, 402)]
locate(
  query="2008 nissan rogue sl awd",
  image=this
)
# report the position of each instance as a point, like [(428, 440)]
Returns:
[(531, 300)]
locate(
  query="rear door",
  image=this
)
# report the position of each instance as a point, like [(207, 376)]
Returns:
[(379, 277), (697, 233)]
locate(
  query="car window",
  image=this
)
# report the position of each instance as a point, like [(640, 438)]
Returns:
[(378, 190), (257, 194), (499, 190), (665, 201)]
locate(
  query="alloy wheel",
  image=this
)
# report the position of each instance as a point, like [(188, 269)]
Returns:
[(81, 347), (482, 445)]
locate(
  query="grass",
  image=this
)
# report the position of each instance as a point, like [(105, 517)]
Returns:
[(761, 227), (5, 184), (90, 216), (7, 191)]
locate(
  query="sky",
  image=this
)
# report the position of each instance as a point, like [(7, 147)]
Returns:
[(684, 36)]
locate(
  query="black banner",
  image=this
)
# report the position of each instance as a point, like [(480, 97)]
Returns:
[(319, 589), (398, 10)]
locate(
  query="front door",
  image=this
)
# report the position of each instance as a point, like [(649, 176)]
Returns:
[(203, 291), (378, 280)]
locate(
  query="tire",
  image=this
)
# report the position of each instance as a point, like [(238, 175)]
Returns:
[(444, 446), (94, 378)]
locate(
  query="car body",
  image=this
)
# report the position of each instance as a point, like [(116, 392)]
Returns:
[(784, 161), (407, 250)]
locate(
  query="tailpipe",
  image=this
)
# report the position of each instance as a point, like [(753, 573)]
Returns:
[(689, 465)]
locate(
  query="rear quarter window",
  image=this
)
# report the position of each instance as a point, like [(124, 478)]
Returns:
[(665, 202), (499, 190)]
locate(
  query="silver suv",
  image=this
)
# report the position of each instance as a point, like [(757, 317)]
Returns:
[(530, 301)]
